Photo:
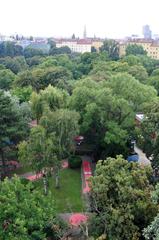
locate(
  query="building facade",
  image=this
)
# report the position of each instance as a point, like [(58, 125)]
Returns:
[(76, 45), (149, 45)]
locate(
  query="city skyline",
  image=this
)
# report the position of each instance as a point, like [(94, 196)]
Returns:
[(112, 19)]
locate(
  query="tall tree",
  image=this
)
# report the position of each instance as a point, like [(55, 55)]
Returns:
[(40, 151), (13, 124), (135, 49), (111, 47), (152, 231), (7, 77), (62, 123), (121, 199), (25, 213), (51, 97)]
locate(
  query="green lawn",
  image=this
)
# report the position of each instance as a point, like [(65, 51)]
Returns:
[(22, 170), (68, 197)]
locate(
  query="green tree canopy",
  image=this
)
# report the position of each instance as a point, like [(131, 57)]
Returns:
[(152, 231), (16, 64), (111, 48), (10, 49), (40, 78), (31, 52), (135, 49), (13, 123), (25, 213), (121, 199), (52, 98), (7, 77)]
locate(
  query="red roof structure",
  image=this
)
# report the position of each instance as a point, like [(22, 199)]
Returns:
[(77, 218)]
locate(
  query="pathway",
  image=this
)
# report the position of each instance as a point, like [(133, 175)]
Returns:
[(142, 157)]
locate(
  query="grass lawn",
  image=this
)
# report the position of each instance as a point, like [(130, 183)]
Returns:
[(68, 197), (22, 170)]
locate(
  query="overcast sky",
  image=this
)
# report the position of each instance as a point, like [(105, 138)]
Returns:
[(62, 18)]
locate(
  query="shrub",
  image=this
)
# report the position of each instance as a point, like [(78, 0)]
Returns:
[(75, 161)]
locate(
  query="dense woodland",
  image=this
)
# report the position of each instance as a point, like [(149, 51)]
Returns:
[(96, 95)]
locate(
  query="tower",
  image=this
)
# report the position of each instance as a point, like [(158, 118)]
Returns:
[(147, 32), (85, 32)]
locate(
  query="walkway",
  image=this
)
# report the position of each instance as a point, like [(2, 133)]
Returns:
[(143, 160), (86, 173)]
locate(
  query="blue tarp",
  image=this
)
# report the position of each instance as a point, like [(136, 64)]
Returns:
[(133, 158)]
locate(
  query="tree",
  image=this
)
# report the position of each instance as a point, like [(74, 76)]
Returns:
[(121, 199), (25, 213), (135, 49), (23, 94), (111, 47), (139, 72), (41, 77), (136, 93), (152, 231), (93, 49), (149, 132), (7, 77), (51, 98), (62, 123), (154, 81), (61, 50), (31, 52), (10, 49), (13, 124), (106, 120), (16, 64), (40, 151)]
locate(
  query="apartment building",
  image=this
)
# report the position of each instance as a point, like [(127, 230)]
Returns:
[(76, 45), (151, 47)]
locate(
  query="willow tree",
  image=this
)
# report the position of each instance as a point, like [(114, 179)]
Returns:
[(63, 123)]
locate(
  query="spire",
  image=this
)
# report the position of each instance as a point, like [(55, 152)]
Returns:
[(84, 32)]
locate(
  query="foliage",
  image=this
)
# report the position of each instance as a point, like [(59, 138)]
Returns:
[(40, 78), (152, 231), (64, 123), (74, 161), (16, 64), (51, 98), (121, 199), (30, 52), (111, 47), (23, 94), (10, 49), (132, 90), (139, 72), (135, 49), (39, 151), (154, 81), (105, 118), (26, 213), (13, 123), (7, 77), (149, 132), (61, 50)]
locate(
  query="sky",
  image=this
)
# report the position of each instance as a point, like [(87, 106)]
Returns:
[(62, 18)]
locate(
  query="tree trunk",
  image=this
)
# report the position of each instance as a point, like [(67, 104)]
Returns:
[(57, 183), (3, 173), (45, 185)]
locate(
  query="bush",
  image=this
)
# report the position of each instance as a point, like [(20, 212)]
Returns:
[(74, 161)]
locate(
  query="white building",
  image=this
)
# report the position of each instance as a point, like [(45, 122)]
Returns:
[(76, 45)]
